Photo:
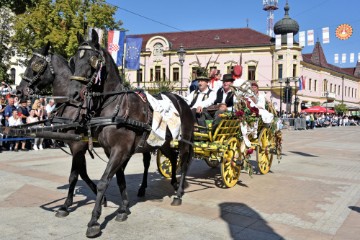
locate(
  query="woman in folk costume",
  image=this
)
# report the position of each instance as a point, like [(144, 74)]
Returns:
[(237, 73), (215, 83)]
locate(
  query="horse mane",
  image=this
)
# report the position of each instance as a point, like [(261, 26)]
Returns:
[(110, 60)]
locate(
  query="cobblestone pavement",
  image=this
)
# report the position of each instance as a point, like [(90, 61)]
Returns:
[(314, 193)]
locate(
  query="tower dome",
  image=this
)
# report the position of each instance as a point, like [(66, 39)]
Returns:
[(286, 25)]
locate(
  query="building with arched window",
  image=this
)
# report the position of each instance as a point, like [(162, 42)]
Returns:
[(262, 61)]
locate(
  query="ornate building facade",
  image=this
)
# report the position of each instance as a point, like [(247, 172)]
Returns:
[(262, 62)]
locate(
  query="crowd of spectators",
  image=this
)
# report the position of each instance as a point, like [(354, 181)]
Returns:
[(14, 112), (318, 120)]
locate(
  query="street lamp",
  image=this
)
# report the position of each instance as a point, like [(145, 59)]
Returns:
[(327, 96), (181, 54), (296, 104)]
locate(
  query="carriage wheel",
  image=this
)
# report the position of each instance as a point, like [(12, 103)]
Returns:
[(212, 163), (164, 164), (230, 171), (264, 155)]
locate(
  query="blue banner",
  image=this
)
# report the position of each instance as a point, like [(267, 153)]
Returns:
[(133, 50)]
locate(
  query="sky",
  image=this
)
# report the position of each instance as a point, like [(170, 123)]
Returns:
[(156, 16)]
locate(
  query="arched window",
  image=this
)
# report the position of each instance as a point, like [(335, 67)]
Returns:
[(158, 50)]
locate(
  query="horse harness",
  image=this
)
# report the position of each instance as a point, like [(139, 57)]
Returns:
[(38, 67)]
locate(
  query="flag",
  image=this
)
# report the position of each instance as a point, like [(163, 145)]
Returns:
[(302, 38), (133, 49), (325, 35), (116, 41), (303, 82), (278, 41), (310, 37), (343, 58), (100, 33), (358, 57), (290, 40), (352, 57), (336, 58), (300, 83)]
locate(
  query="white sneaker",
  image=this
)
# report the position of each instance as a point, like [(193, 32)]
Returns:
[(35, 148), (41, 147)]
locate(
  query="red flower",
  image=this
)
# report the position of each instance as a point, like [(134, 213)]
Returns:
[(249, 151), (254, 110), (239, 113)]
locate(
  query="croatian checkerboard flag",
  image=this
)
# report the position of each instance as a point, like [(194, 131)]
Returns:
[(116, 41)]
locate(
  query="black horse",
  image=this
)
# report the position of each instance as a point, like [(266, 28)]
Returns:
[(45, 69), (96, 79)]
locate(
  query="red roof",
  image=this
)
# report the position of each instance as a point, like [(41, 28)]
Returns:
[(208, 39), (317, 58)]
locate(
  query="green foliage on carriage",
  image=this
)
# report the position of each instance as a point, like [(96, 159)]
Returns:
[(160, 86), (59, 22)]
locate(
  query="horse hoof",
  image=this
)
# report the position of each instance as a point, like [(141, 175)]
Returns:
[(141, 193), (93, 231), (121, 217), (61, 213), (176, 202)]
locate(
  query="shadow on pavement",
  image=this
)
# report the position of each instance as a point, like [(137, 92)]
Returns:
[(158, 188), (303, 154), (354, 208), (245, 223)]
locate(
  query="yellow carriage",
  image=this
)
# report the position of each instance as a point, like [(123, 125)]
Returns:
[(216, 146), (224, 145)]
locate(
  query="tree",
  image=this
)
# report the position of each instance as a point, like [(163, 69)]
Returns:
[(58, 22), (6, 51), (341, 108), (18, 6)]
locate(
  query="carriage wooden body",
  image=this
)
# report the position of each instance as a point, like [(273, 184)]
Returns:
[(225, 146)]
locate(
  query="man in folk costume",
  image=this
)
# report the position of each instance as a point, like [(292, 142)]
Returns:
[(225, 98), (225, 94), (201, 98)]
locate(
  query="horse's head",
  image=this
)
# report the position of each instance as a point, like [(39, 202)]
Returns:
[(38, 74), (88, 65)]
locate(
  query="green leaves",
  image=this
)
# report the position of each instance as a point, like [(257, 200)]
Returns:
[(58, 22)]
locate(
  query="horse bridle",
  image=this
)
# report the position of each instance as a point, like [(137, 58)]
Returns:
[(39, 68), (96, 62)]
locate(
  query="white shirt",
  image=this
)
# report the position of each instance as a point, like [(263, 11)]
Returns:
[(261, 100), (224, 96), (199, 101), (49, 108), (217, 84), (238, 82), (14, 122)]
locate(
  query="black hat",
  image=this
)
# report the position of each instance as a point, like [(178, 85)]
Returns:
[(201, 74), (228, 77)]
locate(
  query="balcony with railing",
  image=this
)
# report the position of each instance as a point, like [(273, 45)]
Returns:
[(328, 95)]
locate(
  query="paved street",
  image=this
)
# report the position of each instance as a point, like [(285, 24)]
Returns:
[(314, 193)]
